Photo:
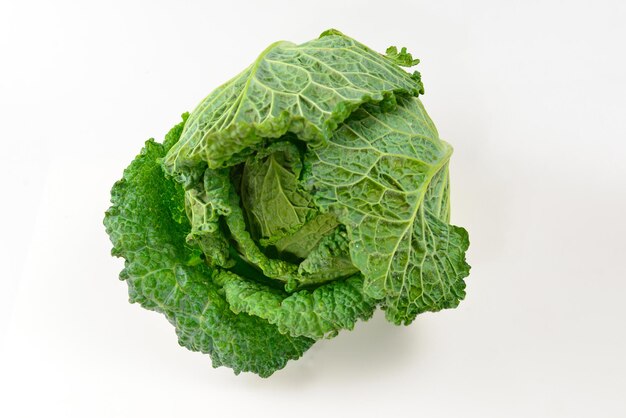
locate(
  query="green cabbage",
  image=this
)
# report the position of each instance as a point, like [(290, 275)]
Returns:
[(297, 198)]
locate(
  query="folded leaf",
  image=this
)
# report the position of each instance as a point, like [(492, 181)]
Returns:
[(205, 203), (305, 89), (316, 314), (409, 257)]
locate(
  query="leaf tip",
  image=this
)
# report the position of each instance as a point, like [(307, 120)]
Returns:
[(331, 32), (402, 58)]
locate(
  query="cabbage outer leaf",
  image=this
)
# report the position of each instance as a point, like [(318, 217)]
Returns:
[(165, 274), (410, 257), (306, 89)]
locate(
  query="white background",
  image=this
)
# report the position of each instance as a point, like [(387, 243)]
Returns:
[(532, 95)]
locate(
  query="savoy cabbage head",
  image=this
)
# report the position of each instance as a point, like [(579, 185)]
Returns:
[(296, 199)]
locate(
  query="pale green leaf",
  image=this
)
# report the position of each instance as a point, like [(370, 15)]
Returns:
[(305, 89), (409, 257), (275, 205)]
